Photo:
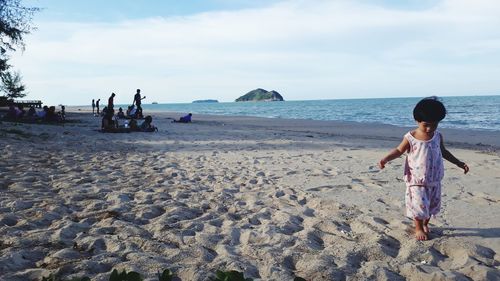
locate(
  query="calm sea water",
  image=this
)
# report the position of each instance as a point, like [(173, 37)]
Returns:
[(471, 112)]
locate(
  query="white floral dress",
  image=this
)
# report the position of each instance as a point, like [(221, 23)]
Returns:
[(424, 171)]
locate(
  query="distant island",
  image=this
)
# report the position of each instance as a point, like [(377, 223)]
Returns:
[(205, 101), (154, 102), (261, 95)]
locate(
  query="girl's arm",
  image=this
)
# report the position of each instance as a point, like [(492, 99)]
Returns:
[(395, 153), (448, 156)]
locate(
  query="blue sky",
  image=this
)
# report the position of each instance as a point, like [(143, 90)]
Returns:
[(180, 51)]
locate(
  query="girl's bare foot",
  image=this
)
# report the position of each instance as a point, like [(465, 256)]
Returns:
[(420, 234)]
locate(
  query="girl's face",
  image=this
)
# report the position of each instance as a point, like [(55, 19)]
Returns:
[(427, 127)]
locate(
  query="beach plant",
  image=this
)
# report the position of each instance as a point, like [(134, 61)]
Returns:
[(80, 279), (52, 277), (166, 275), (125, 276), (231, 275)]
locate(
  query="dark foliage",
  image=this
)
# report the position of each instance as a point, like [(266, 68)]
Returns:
[(12, 85), (15, 22)]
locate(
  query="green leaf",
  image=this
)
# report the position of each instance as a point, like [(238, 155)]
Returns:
[(167, 275), (133, 276), (234, 275), (80, 279), (122, 275), (114, 276), (231, 275)]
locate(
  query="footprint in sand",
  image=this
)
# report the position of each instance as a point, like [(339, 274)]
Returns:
[(314, 241), (364, 183), (328, 187)]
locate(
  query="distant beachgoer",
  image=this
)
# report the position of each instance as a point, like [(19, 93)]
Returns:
[(97, 106), (104, 111), (184, 119), (51, 115), (147, 125), (41, 114), (133, 125), (93, 106), (63, 113), (137, 102), (13, 112), (111, 103), (32, 112), (120, 113), (22, 112), (132, 112), (107, 123), (424, 167)]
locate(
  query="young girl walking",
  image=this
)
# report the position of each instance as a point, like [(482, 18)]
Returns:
[(424, 167)]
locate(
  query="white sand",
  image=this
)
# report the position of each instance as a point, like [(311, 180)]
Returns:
[(271, 198)]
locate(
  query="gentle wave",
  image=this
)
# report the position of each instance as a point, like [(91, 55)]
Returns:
[(469, 112)]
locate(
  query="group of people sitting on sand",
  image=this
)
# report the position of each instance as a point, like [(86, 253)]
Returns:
[(110, 124), (110, 121), (47, 114)]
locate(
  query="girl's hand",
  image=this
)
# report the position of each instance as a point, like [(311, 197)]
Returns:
[(382, 163), (464, 167)]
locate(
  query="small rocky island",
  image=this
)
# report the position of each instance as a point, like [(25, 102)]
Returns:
[(261, 95), (205, 101)]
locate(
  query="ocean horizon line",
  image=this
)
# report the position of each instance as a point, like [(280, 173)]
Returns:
[(156, 102)]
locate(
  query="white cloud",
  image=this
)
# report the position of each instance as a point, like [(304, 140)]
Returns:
[(303, 49)]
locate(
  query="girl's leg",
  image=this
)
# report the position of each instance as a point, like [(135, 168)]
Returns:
[(419, 230), (426, 228), (435, 204), (417, 207)]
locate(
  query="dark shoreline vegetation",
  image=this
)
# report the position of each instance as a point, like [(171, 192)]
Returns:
[(166, 275)]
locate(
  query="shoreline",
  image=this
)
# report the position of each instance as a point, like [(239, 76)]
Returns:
[(480, 140)]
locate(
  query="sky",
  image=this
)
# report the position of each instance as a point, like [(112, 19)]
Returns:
[(180, 51)]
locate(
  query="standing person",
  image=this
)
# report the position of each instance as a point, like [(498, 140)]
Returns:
[(111, 103), (63, 113), (97, 106), (93, 107), (424, 167), (137, 101)]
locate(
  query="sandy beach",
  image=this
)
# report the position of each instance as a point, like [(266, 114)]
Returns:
[(272, 198)]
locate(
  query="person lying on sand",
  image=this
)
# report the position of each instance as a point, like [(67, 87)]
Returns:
[(424, 167), (184, 119)]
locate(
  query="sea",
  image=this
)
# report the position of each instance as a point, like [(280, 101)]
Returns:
[(464, 112)]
